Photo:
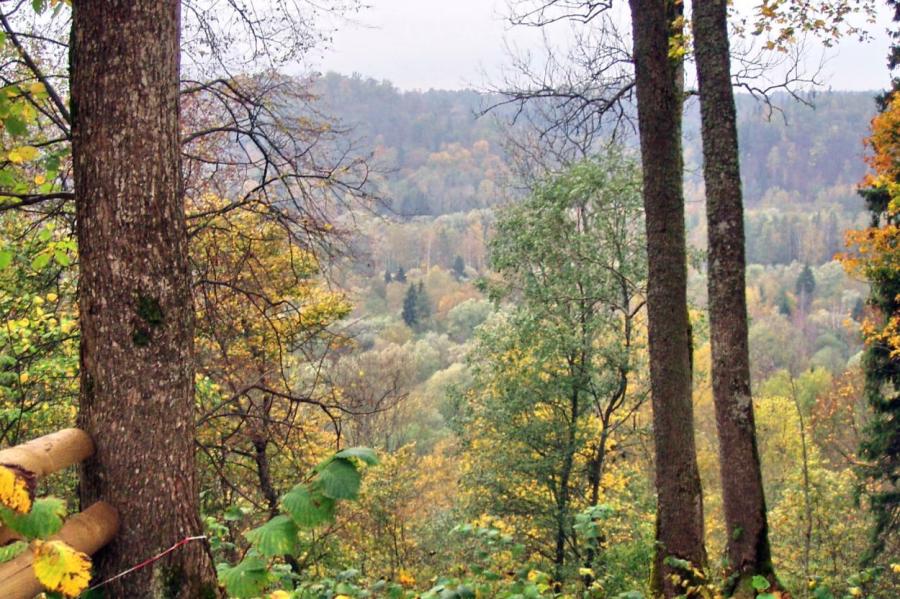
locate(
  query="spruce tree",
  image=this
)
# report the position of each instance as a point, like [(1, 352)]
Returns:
[(423, 304), (459, 267), (806, 283), (410, 313)]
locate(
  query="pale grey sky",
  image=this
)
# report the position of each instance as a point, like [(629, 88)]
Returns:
[(449, 44)]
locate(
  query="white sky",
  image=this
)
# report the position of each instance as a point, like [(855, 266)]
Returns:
[(450, 44)]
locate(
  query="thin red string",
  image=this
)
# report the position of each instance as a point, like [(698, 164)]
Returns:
[(147, 562)]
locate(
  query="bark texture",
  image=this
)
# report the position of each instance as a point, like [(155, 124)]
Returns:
[(137, 378), (742, 489), (659, 81)]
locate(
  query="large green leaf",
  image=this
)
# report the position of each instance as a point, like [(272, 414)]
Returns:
[(365, 454), (278, 536), (245, 580), (340, 479), (308, 508), (44, 519)]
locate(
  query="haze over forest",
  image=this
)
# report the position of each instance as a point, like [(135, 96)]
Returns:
[(621, 323)]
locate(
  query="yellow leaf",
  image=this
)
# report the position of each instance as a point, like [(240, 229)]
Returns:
[(15, 490), (28, 113), (37, 88), (22, 154), (279, 595), (406, 579), (61, 568), (40, 179)]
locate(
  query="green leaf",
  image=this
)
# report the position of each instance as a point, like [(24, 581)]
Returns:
[(308, 509), (234, 513), (278, 536), (364, 454), (6, 257), (760, 583), (340, 479), (44, 519), (15, 126), (676, 563), (62, 258), (245, 580), (7, 177), (40, 261), (11, 551)]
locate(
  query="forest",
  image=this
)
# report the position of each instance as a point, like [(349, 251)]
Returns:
[(621, 324)]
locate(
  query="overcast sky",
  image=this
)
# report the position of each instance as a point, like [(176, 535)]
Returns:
[(450, 44)]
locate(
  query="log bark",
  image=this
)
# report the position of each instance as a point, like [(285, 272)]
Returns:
[(742, 487), (50, 453), (659, 82), (137, 372), (87, 532)]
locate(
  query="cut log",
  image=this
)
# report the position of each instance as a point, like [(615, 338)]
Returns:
[(87, 532), (50, 453), (46, 455)]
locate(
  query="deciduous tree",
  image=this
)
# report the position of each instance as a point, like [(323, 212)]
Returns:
[(742, 485), (137, 384), (659, 79)]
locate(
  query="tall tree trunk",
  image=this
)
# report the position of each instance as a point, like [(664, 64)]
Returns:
[(659, 80), (742, 489), (137, 376)]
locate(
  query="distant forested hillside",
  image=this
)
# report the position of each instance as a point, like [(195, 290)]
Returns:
[(800, 163), (446, 160)]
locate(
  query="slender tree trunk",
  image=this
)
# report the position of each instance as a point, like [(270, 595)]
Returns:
[(137, 375), (742, 489), (659, 79), (563, 497), (807, 502)]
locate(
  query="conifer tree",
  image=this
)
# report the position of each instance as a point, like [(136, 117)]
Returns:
[(423, 304), (806, 284), (459, 267), (410, 313)]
